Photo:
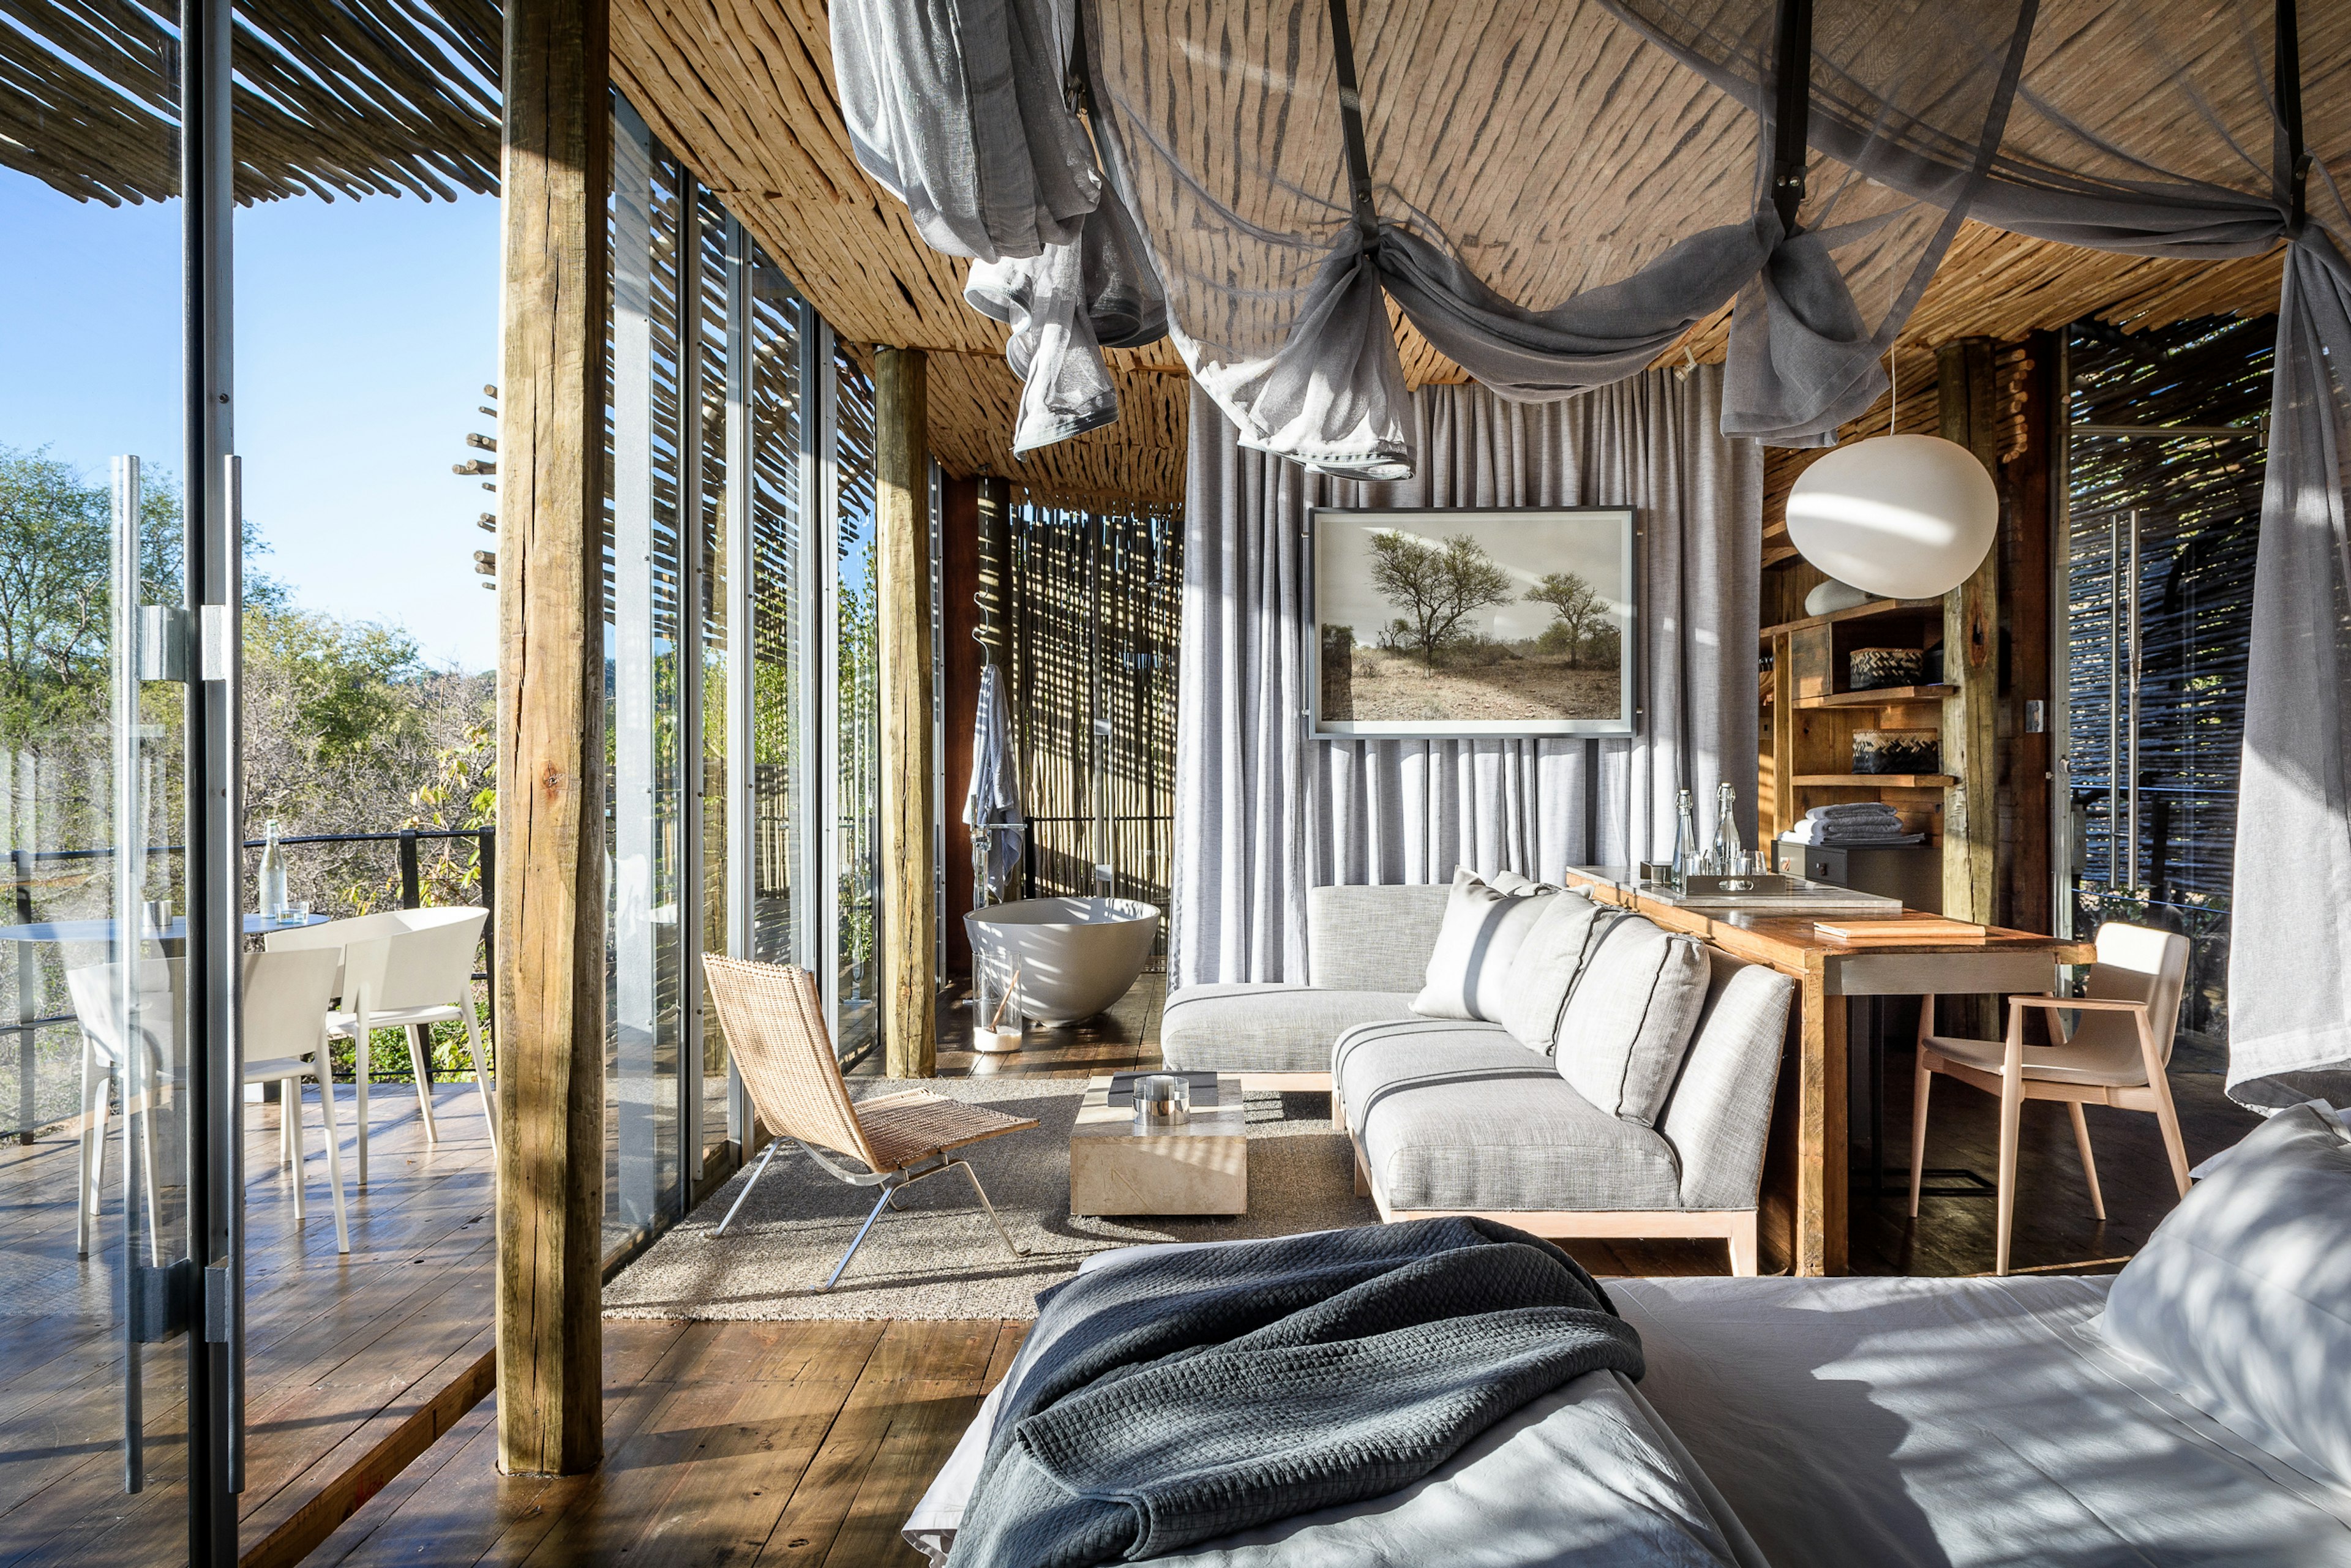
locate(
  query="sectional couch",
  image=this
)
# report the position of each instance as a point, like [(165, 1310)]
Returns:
[(1520, 1052)]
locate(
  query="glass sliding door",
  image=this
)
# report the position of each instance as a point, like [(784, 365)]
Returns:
[(120, 1215), (713, 320), (853, 817), (776, 790), (648, 717)]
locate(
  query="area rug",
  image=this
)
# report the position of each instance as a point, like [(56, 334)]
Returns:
[(941, 1259)]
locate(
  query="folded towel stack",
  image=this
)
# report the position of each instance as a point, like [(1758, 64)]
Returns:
[(1855, 823)]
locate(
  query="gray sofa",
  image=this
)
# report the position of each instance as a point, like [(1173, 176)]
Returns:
[(1451, 1115)]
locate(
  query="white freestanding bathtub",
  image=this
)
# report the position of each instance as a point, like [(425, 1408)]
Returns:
[(1075, 955)]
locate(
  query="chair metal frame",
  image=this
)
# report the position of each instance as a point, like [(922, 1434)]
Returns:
[(774, 1021), (892, 1184)]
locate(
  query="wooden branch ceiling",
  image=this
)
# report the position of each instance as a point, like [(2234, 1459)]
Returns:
[(333, 98), (742, 91)]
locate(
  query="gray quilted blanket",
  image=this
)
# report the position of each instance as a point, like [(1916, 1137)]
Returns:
[(1189, 1393)]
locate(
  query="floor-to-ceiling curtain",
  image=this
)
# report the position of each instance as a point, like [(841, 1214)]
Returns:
[(1263, 811)]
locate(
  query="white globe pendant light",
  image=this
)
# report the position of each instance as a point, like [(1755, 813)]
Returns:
[(1902, 516)]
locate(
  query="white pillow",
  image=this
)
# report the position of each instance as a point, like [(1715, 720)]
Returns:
[(1512, 883), (1630, 1017), (1482, 931), (1536, 986), (2242, 1299)]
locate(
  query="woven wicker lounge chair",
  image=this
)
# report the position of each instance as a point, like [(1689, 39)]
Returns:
[(775, 1026)]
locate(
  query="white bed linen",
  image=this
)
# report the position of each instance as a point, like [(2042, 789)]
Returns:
[(1587, 1475), (1954, 1422)]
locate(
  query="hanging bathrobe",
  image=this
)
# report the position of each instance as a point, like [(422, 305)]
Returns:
[(995, 797)]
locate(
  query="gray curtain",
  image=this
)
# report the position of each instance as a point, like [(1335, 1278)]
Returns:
[(1263, 812)]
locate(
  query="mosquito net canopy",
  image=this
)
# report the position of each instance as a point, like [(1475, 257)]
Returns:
[(1549, 193)]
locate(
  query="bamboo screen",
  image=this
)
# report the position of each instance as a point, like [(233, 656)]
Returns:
[(2197, 503), (1096, 611)]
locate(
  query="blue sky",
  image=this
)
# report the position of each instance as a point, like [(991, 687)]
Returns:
[(365, 331)]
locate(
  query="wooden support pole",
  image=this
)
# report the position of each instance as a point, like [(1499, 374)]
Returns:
[(901, 531), (2036, 503), (550, 978), (1966, 391)]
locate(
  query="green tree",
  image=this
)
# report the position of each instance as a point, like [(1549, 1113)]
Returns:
[(1579, 613), (57, 586), (1436, 587)]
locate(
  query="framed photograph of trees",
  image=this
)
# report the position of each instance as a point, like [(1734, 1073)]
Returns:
[(1473, 622)]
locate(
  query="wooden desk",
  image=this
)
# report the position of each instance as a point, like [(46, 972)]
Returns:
[(1805, 1211)]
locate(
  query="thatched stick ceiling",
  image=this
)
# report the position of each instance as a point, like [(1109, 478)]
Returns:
[(333, 98), (367, 97)]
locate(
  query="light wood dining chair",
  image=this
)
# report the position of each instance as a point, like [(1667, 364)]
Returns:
[(2115, 1055), (775, 1030), (406, 969)]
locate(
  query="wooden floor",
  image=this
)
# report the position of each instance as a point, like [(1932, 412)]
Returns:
[(353, 1364), (808, 1443)]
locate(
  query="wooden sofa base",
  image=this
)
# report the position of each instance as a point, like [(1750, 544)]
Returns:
[(1735, 1227), (1287, 1083)]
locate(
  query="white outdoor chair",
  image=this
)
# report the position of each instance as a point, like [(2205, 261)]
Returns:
[(106, 1062), (2115, 1055), (409, 970), (284, 1035)]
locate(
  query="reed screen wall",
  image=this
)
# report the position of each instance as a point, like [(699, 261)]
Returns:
[(1095, 606)]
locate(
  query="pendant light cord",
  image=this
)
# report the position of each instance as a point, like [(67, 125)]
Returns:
[(1894, 385)]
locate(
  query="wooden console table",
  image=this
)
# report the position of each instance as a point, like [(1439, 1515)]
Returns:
[(1805, 1220)]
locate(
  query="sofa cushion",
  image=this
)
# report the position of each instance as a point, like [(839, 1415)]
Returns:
[(1373, 1060), (1719, 1111), (1503, 1137), (1372, 937), (1483, 930), (1265, 1027), (1535, 986), (1629, 1019)]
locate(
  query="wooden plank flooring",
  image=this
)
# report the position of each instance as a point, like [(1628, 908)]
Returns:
[(353, 1364), (808, 1443)]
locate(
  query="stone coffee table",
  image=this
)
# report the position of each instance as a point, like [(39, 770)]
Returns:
[(1201, 1168)]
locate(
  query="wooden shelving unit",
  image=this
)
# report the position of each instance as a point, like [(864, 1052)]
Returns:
[(1882, 697), (1873, 610), (1809, 716)]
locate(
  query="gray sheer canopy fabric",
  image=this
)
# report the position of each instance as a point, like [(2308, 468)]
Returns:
[(1551, 191), (1263, 812), (2154, 128)]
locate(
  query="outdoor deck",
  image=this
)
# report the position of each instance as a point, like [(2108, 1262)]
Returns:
[(353, 1364), (777, 1443)]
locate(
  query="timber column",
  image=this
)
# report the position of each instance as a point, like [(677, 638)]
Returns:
[(902, 533), (1967, 393), (549, 979)]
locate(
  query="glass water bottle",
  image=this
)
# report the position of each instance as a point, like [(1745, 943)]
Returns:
[(273, 874), (1729, 855), (1687, 855)]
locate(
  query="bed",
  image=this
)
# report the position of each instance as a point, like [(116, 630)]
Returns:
[(1885, 1422)]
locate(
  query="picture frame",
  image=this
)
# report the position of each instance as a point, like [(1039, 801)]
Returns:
[(1472, 622)]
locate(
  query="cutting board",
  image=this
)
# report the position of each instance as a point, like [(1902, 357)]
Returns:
[(1916, 928)]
